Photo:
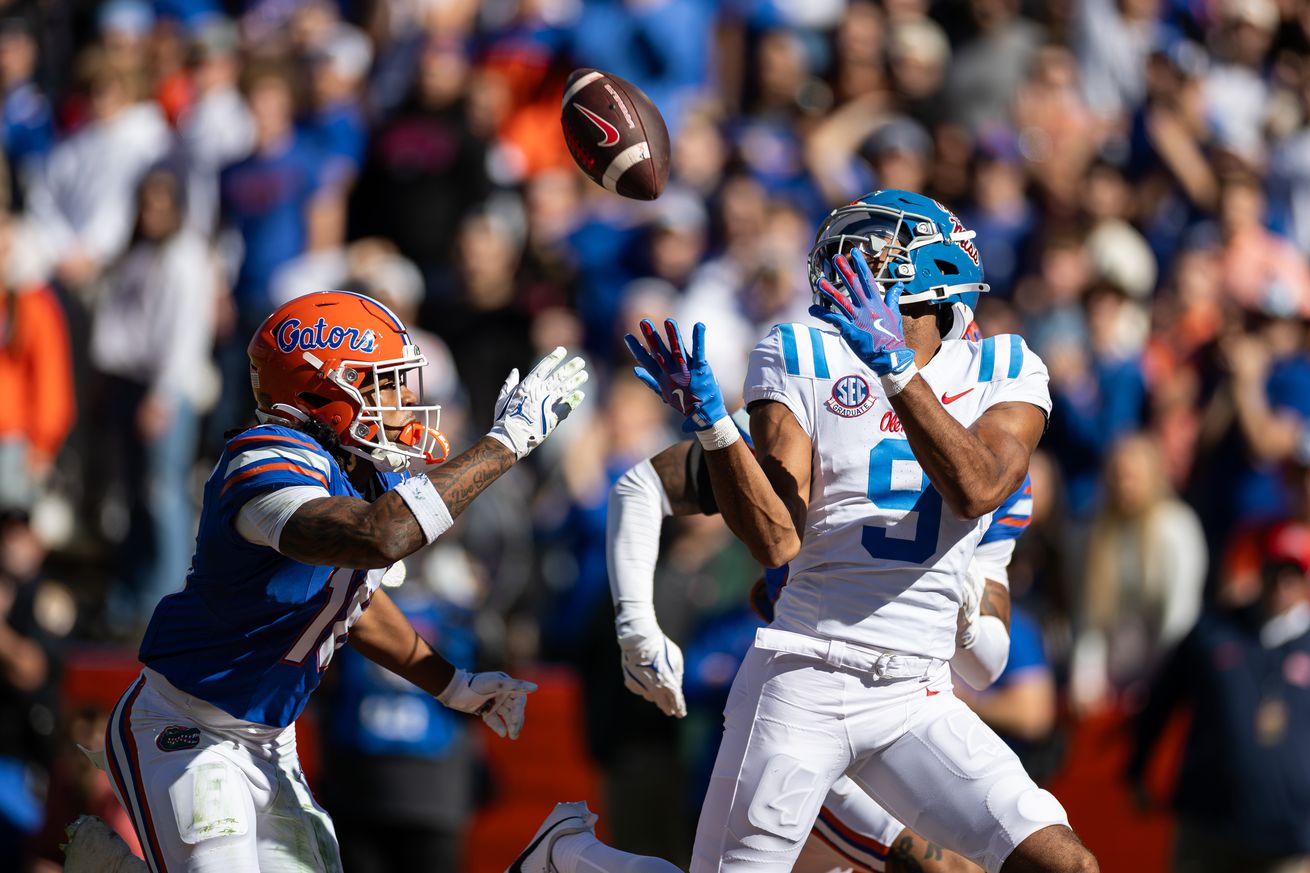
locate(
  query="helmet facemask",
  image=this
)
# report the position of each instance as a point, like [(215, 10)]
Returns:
[(890, 240), (376, 388)]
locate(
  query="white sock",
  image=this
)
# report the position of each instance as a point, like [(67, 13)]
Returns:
[(583, 853)]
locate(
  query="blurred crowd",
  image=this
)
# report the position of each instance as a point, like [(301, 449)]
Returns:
[(1137, 171)]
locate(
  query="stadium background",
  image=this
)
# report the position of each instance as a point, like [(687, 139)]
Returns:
[(1138, 173)]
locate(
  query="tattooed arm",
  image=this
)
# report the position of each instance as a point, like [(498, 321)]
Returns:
[(912, 853), (348, 532)]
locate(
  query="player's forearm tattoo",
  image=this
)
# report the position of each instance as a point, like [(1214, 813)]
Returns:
[(467, 475), (996, 602), (902, 857), (345, 532)]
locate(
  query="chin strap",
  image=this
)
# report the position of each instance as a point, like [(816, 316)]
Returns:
[(961, 318)]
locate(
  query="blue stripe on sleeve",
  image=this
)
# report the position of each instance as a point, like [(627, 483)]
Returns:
[(820, 356), (789, 355), (988, 362), (1016, 356)]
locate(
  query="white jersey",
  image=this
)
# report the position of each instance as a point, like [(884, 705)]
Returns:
[(882, 556)]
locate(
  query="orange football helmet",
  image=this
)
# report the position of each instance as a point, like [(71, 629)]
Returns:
[(343, 360)]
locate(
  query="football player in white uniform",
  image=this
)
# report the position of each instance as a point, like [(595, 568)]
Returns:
[(852, 832), (878, 515)]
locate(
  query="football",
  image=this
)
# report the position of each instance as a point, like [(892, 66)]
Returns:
[(615, 134)]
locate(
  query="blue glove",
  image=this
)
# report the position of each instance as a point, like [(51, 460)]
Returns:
[(688, 386), (870, 324)]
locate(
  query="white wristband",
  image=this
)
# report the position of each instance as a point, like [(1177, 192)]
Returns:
[(894, 383), (460, 678), (719, 435), (426, 504)]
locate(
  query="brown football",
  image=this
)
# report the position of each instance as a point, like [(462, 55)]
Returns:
[(615, 134)]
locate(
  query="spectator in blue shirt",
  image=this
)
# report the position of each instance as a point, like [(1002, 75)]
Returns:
[(336, 125), (28, 125), (277, 202)]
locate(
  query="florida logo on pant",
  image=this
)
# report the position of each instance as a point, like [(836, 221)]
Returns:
[(176, 737)]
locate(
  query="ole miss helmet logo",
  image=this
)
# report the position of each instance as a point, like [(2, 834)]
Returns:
[(966, 244), (850, 397)]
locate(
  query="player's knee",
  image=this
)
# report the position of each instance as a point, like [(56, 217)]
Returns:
[(1052, 849), (1084, 862)]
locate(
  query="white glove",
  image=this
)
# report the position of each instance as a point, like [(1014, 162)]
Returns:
[(652, 669), (527, 411), (970, 606), (500, 699)]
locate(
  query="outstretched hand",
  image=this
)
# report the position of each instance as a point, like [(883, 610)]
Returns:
[(499, 698), (528, 411), (686, 384), (868, 321)]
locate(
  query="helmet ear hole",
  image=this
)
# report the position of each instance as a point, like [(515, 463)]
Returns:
[(312, 400), (946, 268)]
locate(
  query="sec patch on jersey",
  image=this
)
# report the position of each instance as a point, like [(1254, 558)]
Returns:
[(615, 134)]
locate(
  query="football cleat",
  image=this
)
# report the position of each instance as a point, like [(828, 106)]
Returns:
[(94, 847), (564, 819)]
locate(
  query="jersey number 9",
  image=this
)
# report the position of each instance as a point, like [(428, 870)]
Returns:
[(897, 482)]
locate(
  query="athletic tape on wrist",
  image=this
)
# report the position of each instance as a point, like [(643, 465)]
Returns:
[(719, 435), (894, 383), (461, 677), (426, 504)]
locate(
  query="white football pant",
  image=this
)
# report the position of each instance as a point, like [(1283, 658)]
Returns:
[(209, 793), (795, 723), (851, 833)]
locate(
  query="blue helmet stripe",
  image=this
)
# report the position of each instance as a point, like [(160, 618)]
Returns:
[(394, 320)]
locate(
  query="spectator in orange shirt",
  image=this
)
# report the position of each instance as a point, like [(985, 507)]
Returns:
[(36, 384)]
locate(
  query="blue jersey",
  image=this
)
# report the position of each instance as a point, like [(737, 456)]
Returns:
[(252, 630)]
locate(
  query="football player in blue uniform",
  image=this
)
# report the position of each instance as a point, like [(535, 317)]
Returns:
[(303, 517)]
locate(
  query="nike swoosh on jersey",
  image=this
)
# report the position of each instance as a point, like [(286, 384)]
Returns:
[(951, 398)]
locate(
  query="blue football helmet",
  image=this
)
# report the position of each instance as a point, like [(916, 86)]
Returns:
[(907, 238)]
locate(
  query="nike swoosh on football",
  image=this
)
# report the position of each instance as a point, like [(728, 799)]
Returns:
[(951, 398), (611, 132)]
